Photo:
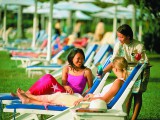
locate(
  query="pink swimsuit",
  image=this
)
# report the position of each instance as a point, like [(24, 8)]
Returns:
[(77, 83), (49, 85)]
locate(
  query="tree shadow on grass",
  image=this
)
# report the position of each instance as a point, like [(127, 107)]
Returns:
[(154, 59)]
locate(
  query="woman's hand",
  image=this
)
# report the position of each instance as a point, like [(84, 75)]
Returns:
[(89, 96), (68, 89), (78, 101), (100, 75)]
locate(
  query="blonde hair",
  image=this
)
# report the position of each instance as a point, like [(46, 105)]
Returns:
[(121, 64)]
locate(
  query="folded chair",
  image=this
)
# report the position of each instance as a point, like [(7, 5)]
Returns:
[(116, 107), (40, 109)]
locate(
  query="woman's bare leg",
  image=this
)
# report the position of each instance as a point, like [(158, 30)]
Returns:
[(137, 105), (26, 99), (48, 99)]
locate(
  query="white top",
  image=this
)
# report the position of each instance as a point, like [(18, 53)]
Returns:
[(107, 88), (126, 50)]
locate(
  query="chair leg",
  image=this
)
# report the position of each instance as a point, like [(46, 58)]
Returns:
[(27, 116)]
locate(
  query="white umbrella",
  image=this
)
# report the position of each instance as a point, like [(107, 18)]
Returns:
[(128, 12), (49, 11), (31, 9), (120, 15), (82, 1), (73, 6), (81, 16), (18, 2), (88, 7), (10, 7), (115, 16), (50, 15), (14, 2), (113, 1)]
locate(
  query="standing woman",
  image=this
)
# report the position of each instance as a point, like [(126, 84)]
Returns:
[(133, 51)]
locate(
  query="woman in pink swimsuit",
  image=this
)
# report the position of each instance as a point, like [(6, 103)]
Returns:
[(75, 76)]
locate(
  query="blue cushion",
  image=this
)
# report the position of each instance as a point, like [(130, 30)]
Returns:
[(89, 51), (95, 84), (34, 106), (8, 97), (107, 61), (98, 80), (101, 52), (43, 66)]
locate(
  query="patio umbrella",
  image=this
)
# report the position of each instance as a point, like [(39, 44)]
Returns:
[(48, 58), (81, 16), (83, 1), (15, 2), (50, 15), (113, 1), (127, 12), (87, 7), (73, 6)]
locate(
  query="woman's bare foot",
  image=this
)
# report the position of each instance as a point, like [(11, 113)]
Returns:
[(23, 97), (13, 94), (20, 90)]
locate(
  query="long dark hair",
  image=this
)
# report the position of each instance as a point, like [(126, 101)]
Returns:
[(126, 30), (71, 55)]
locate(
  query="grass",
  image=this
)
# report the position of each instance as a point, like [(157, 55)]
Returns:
[(12, 77)]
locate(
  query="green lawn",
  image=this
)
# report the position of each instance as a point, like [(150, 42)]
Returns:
[(12, 77)]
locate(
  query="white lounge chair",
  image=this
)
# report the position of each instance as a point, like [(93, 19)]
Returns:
[(53, 67), (52, 110), (116, 107), (92, 60), (40, 35), (5, 98)]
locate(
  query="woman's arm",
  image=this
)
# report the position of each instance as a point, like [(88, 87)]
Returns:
[(88, 75), (64, 75), (64, 80), (113, 90), (108, 68)]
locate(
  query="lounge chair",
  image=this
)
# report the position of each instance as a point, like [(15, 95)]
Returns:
[(116, 107), (54, 66), (31, 54), (41, 35), (6, 97), (52, 110), (92, 60)]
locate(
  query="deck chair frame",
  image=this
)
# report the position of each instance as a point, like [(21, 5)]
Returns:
[(53, 112), (117, 106)]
